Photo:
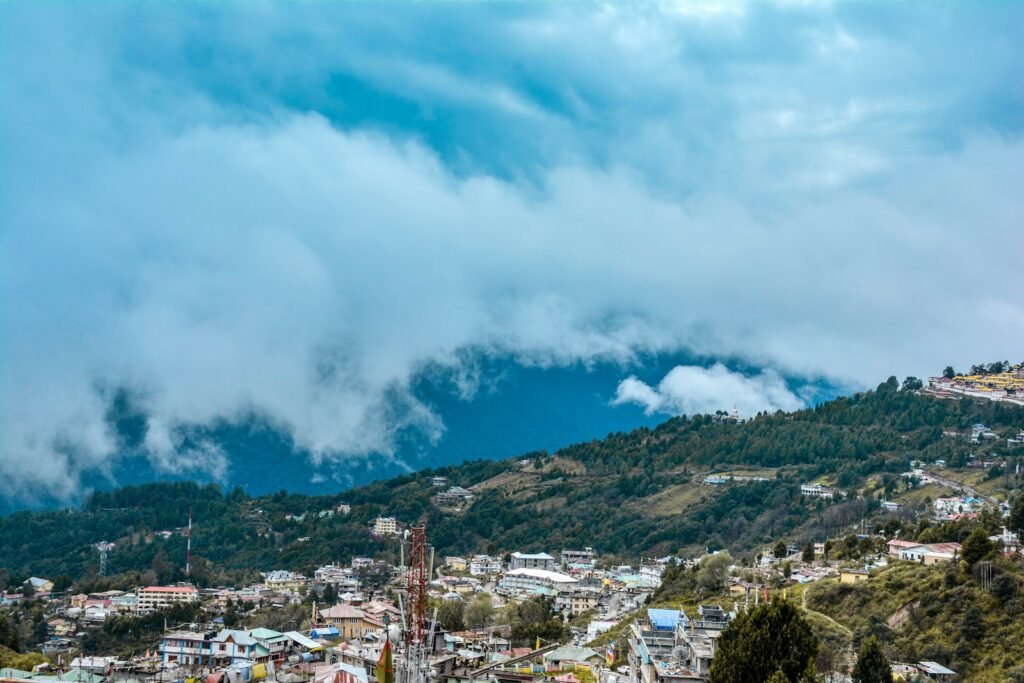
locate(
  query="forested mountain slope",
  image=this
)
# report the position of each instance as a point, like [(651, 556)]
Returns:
[(628, 494)]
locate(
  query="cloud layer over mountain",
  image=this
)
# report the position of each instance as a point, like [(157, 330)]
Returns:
[(693, 390), (287, 211)]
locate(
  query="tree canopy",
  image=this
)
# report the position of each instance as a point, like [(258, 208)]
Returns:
[(757, 644), (872, 665)]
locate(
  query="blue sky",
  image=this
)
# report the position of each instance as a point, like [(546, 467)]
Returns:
[(290, 209)]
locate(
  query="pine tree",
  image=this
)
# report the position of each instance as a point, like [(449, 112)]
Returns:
[(976, 547), (1016, 521), (872, 664), (771, 639), (808, 554)]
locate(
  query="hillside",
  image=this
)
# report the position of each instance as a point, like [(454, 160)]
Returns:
[(945, 613), (628, 494), (496, 408)]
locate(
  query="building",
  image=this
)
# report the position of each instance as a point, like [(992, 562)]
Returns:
[(651, 642), (581, 559), (282, 581), (193, 649), (153, 598), (341, 579), (896, 545), (853, 575), (1007, 540), (456, 564), (231, 647), (352, 623), (651, 573), (439, 482), (525, 580), (817, 491), (37, 587), (934, 671), (952, 507), (385, 526), (276, 644), (456, 495), (578, 600), (931, 553), (483, 565), (569, 657), (532, 561)]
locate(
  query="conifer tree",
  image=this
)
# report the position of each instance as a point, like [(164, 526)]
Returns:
[(872, 664), (771, 639)]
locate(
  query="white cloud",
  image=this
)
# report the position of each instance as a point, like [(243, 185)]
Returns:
[(222, 258), (692, 390)]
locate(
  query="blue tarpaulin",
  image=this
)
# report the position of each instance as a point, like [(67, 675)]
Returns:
[(329, 632), (663, 619)]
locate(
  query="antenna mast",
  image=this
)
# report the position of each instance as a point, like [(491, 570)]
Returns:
[(414, 667), (188, 545)]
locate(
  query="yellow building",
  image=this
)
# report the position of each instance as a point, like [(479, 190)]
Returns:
[(853, 575)]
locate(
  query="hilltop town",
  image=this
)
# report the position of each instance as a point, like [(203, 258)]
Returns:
[(861, 551)]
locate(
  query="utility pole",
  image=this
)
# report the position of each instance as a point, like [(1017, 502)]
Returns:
[(188, 545)]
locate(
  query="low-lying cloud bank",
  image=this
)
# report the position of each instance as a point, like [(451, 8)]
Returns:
[(692, 390), (195, 237)]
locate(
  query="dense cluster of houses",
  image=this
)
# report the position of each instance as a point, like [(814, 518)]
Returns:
[(1002, 386), (341, 641)]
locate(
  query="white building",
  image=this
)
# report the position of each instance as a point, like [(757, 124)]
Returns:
[(949, 507), (817, 491), (482, 565), (153, 598), (651, 572), (526, 580)]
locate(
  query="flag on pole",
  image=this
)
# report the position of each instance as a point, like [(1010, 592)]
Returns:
[(385, 671)]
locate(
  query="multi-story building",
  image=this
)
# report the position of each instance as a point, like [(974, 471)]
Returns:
[(352, 623), (668, 647), (582, 559), (483, 565), (455, 495), (578, 600), (651, 573), (385, 526), (229, 646), (282, 581), (651, 642), (193, 649), (153, 598), (455, 563), (532, 561), (528, 581), (817, 491)]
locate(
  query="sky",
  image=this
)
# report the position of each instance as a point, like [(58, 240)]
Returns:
[(290, 210)]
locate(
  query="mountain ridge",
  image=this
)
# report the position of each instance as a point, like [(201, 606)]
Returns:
[(635, 492)]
